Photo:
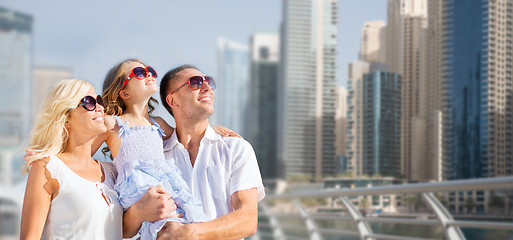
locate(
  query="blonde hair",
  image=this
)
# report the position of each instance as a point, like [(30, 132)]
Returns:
[(49, 135), (112, 85)]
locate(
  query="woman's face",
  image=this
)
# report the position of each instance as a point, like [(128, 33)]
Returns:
[(84, 122)]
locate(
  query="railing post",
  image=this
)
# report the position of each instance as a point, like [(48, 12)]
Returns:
[(362, 226), (277, 232), (451, 232), (310, 224)]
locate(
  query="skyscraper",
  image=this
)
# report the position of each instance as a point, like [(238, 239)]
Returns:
[(307, 90), (15, 76), (231, 94), (371, 40), (381, 125), (263, 108), (477, 75), (44, 78), (403, 41)]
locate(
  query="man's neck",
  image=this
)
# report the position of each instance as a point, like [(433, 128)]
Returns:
[(189, 134)]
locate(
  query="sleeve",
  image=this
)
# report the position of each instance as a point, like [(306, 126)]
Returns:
[(245, 172), (55, 169)]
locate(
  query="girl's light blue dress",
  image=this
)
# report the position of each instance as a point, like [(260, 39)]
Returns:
[(141, 164)]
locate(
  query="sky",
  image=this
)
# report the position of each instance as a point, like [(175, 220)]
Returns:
[(92, 36)]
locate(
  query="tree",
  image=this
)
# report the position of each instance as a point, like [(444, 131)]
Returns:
[(496, 203), (470, 204), (410, 200)]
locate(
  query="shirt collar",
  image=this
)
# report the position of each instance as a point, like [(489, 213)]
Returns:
[(210, 134)]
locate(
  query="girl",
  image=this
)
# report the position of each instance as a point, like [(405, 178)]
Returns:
[(68, 193), (135, 141)]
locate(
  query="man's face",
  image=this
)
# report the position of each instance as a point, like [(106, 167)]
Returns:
[(192, 104)]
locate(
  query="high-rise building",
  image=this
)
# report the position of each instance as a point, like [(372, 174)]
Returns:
[(403, 41), (44, 77), (354, 129), (263, 109), (381, 125), (307, 90), (371, 40), (477, 47), (341, 128), (232, 94), (15, 76)]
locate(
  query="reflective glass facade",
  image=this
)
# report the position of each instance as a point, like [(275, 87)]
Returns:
[(381, 124)]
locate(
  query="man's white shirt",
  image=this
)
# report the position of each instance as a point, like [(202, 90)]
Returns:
[(223, 166)]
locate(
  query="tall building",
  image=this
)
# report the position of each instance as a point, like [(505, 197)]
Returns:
[(428, 131), (263, 110), (477, 75), (381, 125), (403, 40), (307, 90), (371, 40), (15, 76), (44, 77), (341, 128), (354, 129), (232, 94)]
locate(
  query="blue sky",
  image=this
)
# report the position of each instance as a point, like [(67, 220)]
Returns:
[(92, 36)]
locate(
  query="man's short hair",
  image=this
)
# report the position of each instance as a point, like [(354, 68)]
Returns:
[(169, 80)]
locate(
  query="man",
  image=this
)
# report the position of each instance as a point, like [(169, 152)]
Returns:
[(222, 172)]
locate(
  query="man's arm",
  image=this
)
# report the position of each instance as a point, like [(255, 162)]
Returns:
[(238, 224)]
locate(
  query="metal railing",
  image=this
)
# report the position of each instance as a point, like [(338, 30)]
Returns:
[(285, 216)]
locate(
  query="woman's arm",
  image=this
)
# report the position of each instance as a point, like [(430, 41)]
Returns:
[(36, 204)]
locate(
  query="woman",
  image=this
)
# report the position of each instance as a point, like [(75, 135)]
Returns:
[(69, 194)]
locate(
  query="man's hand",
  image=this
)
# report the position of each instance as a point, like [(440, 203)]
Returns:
[(175, 230)]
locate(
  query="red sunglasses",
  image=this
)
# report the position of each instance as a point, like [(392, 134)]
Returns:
[(140, 73), (196, 82)]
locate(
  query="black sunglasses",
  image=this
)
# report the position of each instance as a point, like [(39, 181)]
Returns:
[(89, 102)]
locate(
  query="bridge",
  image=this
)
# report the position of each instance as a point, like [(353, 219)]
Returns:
[(340, 213), (366, 213)]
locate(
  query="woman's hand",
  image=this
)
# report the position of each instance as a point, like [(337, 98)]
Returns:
[(225, 132)]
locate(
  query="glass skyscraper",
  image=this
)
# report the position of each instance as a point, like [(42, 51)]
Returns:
[(477, 46), (263, 109), (381, 124), (232, 94), (15, 93), (307, 98)]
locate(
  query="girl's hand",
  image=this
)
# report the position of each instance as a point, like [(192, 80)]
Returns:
[(225, 132)]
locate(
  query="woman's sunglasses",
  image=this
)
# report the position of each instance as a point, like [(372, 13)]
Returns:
[(140, 73), (196, 82), (89, 102)]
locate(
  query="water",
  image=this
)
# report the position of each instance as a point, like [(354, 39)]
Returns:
[(404, 230)]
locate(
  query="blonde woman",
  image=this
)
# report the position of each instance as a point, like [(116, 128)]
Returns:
[(69, 195)]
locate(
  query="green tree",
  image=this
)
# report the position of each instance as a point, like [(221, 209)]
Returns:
[(470, 204), (496, 203)]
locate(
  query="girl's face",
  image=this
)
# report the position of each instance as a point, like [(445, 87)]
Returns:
[(87, 122), (135, 87)]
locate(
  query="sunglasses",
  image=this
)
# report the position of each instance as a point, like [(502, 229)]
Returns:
[(140, 73), (196, 82), (89, 102)]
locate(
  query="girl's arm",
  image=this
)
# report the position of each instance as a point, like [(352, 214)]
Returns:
[(225, 132), (110, 123), (36, 204)]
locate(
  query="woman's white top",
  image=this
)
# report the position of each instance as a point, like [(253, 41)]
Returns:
[(83, 209)]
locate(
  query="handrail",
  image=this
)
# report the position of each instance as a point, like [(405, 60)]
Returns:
[(444, 219)]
